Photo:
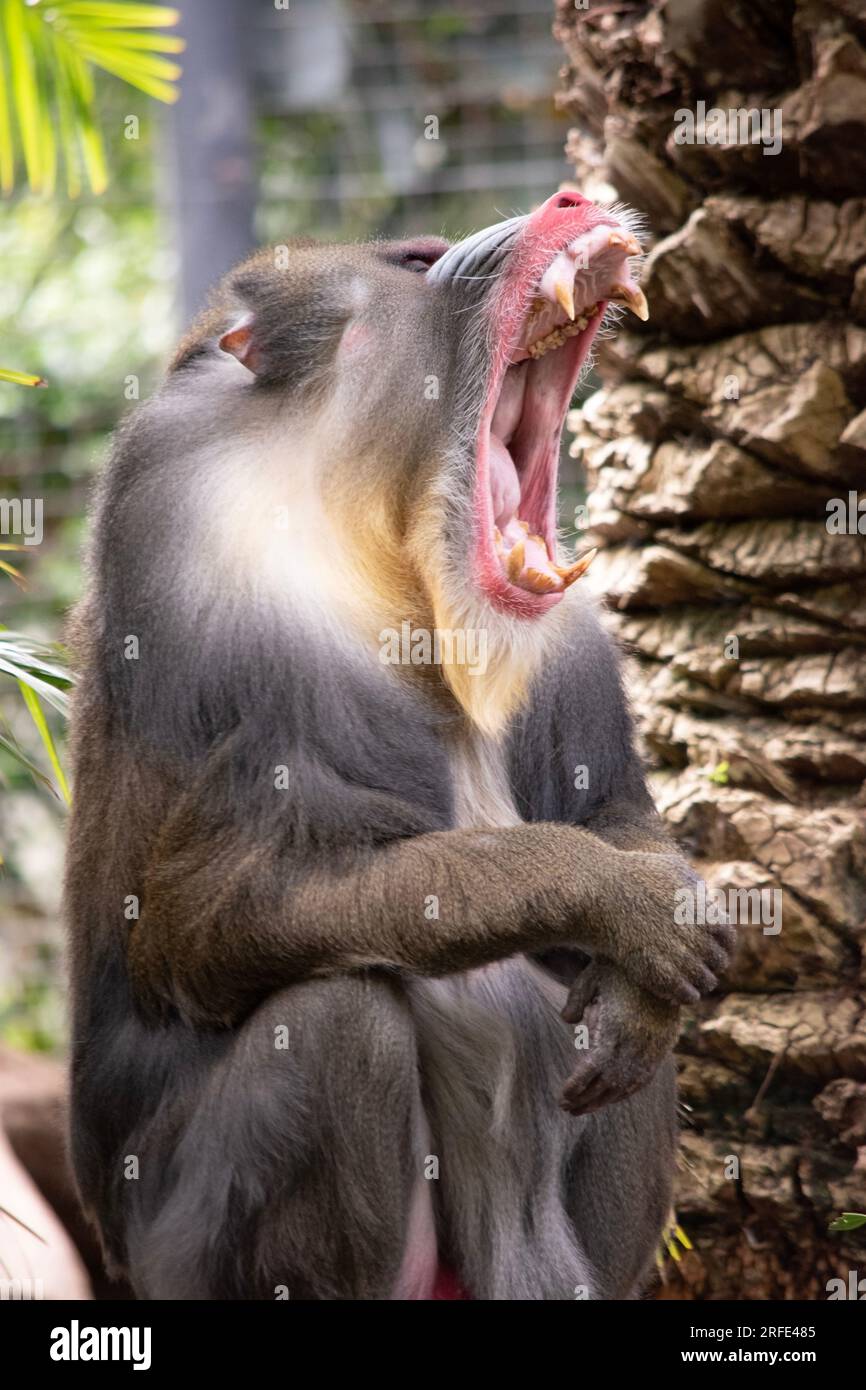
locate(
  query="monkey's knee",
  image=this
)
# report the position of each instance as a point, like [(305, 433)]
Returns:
[(626, 1158), (340, 1231), (294, 1173)]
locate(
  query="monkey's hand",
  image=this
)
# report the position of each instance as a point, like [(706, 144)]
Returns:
[(652, 927), (628, 1033)]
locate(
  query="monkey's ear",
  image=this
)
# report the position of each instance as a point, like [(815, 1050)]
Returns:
[(240, 341)]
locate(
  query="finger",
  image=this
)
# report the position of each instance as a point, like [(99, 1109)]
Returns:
[(579, 1099), (717, 957), (576, 1005), (676, 990), (582, 1079), (702, 978), (583, 992)]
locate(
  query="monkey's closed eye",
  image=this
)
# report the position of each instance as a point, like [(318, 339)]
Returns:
[(419, 263), (417, 256)]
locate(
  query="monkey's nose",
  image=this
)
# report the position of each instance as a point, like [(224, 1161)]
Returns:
[(565, 198), (557, 209)]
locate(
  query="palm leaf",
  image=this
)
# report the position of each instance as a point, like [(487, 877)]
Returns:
[(29, 662), (122, 38), (14, 749), (51, 51), (151, 75), (21, 378), (119, 15), (14, 574), (81, 91), (25, 95), (66, 119), (38, 717), (7, 148)]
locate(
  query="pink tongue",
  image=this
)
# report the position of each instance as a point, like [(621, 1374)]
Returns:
[(504, 485), (530, 567), (534, 570)]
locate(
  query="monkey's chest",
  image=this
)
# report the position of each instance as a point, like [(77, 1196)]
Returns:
[(483, 799)]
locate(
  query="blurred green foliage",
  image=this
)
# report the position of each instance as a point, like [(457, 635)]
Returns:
[(86, 301)]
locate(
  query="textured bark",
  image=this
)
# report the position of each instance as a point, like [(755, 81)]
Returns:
[(723, 428)]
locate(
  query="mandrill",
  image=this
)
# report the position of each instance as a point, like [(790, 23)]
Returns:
[(373, 996)]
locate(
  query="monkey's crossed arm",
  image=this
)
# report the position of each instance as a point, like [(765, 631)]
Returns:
[(227, 921)]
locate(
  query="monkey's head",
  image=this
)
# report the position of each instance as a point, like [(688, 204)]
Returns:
[(404, 401)]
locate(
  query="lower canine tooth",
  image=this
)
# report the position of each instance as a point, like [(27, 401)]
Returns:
[(541, 583), (568, 574), (515, 561)]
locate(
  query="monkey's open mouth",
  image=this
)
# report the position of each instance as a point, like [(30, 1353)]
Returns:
[(548, 306)]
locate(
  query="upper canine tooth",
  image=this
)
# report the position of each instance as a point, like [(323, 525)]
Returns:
[(629, 243), (563, 292), (557, 281), (634, 298)]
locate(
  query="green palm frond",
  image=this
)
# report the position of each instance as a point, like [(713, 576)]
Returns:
[(21, 378), (48, 50), (32, 661), (32, 665)]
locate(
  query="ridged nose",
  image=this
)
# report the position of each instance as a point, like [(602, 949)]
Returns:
[(477, 255)]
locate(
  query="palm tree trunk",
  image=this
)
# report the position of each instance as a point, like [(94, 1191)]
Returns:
[(723, 433)]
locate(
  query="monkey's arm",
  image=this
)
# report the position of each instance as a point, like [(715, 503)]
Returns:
[(629, 819), (226, 919), (630, 1029)]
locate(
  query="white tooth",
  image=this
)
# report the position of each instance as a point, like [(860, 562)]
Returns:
[(558, 277), (562, 290), (626, 242), (632, 296)]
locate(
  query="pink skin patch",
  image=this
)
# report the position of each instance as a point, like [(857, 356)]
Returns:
[(355, 338), (448, 1286), (517, 449)]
